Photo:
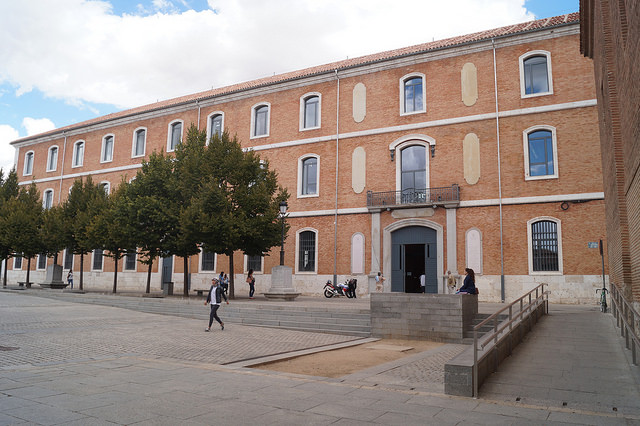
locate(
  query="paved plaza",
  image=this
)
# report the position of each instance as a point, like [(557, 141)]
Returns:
[(63, 362)]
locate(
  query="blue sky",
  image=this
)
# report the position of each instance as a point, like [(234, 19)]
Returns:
[(67, 61)]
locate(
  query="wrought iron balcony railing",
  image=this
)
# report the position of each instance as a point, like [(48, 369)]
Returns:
[(445, 196)]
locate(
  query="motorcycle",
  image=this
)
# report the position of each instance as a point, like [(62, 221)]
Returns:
[(348, 289)]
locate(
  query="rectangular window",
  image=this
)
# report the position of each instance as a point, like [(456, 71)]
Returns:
[(310, 176), (535, 75), (176, 135), (307, 251), (78, 154), (261, 121), (42, 261), (413, 95), (68, 259), (17, 262), (140, 140), (107, 149), (208, 261), (130, 261), (28, 164), (311, 112), (544, 245), (541, 153), (216, 125), (53, 159), (254, 262), (97, 260)]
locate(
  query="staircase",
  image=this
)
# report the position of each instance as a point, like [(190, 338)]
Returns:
[(477, 319)]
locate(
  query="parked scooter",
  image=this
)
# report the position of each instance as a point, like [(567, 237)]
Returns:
[(348, 289)]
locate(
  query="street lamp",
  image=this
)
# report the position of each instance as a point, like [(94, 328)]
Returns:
[(283, 211)]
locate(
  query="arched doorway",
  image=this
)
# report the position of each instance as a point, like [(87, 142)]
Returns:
[(414, 252)]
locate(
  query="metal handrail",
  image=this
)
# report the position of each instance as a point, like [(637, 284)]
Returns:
[(499, 327), (627, 319), (411, 196)]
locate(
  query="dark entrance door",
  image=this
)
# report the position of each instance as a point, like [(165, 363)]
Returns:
[(167, 273), (414, 252)]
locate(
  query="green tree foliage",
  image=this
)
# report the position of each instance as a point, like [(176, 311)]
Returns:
[(53, 232), (8, 192), (86, 200)]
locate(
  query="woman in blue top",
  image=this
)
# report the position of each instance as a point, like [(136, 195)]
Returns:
[(469, 285)]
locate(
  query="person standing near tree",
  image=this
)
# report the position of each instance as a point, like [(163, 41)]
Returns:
[(70, 278), (252, 283), (215, 298)]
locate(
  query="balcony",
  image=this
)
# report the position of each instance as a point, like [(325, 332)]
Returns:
[(448, 196)]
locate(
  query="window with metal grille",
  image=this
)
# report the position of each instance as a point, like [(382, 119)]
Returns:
[(544, 245), (97, 260), (254, 262), (68, 259), (307, 251), (208, 261), (130, 262)]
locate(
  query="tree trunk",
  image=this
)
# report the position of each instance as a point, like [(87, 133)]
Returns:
[(28, 271), (115, 273), (81, 270), (186, 276), (231, 278), (4, 281), (149, 276), (55, 259)]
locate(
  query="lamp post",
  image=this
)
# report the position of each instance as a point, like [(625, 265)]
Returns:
[(283, 211)]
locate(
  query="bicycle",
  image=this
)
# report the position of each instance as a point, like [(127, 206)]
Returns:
[(603, 299)]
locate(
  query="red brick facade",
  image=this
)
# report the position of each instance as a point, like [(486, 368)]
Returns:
[(371, 149), (610, 36)]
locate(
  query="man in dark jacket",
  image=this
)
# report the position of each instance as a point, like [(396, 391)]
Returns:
[(214, 298)]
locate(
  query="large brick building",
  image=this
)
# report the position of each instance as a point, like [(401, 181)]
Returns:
[(479, 151), (610, 35)]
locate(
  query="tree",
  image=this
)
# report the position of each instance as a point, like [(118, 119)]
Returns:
[(85, 201), (8, 191), (153, 211), (22, 224)]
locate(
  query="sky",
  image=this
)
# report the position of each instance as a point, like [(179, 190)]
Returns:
[(67, 61)]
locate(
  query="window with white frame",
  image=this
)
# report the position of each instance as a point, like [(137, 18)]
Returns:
[(207, 261), (308, 175), (139, 142), (52, 159), (253, 262), (47, 199), (130, 261), (68, 259), (78, 154), (97, 260), (106, 187), (310, 111), (540, 153), (107, 149), (545, 245), (412, 94), (413, 173), (260, 120), (174, 135), (215, 125), (17, 262), (307, 251), (42, 262), (535, 74), (28, 164)]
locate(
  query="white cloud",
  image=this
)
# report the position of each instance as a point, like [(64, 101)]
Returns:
[(7, 152), (79, 51), (37, 125)]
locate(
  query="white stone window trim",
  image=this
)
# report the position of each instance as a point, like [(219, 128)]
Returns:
[(103, 151), (135, 140), (38, 268), (298, 232), (215, 263), (403, 142), (525, 146), (124, 264), (44, 198), (466, 249), (28, 172), (93, 254), (55, 165), (106, 185), (64, 260), (15, 260), (78, 162), (253, 120), (521, 60), (209, 129), (402, 82), (169, 133), (303, 101), (300, 171), (255, 271), (530, 247)]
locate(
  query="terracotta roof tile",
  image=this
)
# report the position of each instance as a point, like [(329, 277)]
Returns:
[(321, 69)]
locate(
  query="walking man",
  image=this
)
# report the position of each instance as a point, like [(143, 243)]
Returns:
[(214, 298)]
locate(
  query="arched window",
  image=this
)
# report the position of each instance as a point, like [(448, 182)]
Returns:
[(535, 74), (174, 135), (107, 149), (47, 199), (106, 187), (28, 164), (139, 142), (357, 253), (308, 168), (412, 94), (310, 111), (260, 121), (545, 245), (52, 159), (307, 251), (540, 153), (215, 125), (78, 154)]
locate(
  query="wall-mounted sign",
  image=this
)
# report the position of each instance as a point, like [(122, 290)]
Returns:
[(592, 245)]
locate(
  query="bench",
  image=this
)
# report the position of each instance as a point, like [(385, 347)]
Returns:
[(24, 284), (199, 291)]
